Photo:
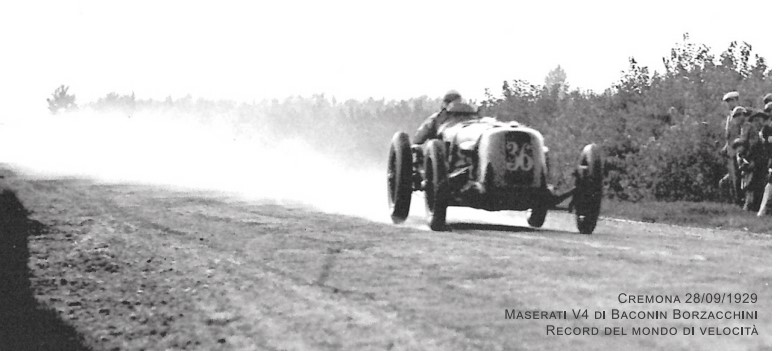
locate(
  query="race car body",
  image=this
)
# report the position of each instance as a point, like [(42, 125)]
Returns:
[(491, 165), (503, 161)]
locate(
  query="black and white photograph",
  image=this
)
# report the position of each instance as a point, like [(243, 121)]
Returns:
[(405, 175)]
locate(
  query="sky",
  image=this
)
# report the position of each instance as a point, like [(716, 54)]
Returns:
[(254, 50)]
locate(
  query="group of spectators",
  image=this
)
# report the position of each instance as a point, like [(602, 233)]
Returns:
[(748, 153)]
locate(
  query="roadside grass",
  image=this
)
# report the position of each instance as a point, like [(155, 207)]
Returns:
[(695, 214)]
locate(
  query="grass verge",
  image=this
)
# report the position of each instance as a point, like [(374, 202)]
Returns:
[(696, 214)]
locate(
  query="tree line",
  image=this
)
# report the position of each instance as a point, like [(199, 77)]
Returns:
[(660, 132)]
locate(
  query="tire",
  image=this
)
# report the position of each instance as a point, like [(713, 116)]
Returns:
[(399, 174), (536, 217), (589, 189), (436, 184)]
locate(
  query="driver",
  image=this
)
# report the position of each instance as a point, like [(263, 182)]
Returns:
[(451, 113)]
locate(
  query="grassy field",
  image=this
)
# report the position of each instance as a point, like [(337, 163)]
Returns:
[(696, 214)]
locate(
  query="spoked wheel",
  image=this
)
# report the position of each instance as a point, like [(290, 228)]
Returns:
[(436, 184), (589, 189), (399, 177)]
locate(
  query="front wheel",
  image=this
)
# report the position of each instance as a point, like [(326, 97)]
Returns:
[(589, 189), (399, 174), (436, 184)]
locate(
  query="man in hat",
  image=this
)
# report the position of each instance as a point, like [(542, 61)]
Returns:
[(752, 129), (453, 111), (732, 131), (753, 160), (731, 99), (766, 136), (732, 126)]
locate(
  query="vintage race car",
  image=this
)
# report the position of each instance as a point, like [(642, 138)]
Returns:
[(491, 165)]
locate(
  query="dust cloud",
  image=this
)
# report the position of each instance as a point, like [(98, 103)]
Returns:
[(184, 153)]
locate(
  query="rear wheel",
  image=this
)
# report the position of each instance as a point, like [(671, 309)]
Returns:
[(399, 173), (537, 215), (589, 189), (436, 184)]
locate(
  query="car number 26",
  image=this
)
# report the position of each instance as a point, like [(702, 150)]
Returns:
[(519, 157)]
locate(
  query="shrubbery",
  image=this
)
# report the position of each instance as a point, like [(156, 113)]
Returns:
[(61, 101), (660, 132), (114, 101)]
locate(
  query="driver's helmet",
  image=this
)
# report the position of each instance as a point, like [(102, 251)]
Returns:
[(451, 96)]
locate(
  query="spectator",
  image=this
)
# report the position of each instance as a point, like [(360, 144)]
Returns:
[(732, 131), (766, 136), (752, 158)]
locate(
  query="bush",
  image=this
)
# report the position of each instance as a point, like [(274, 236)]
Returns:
[(61, 101), (660, 132)]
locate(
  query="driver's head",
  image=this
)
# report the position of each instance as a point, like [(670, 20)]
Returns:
[(450, 97)]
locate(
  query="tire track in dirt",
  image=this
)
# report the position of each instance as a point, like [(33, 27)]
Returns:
[(339, 305), (319, 297)]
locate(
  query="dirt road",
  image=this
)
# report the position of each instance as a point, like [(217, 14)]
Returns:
[(141, 267)]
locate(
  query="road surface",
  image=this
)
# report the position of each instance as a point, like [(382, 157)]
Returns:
[(118, 266)]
